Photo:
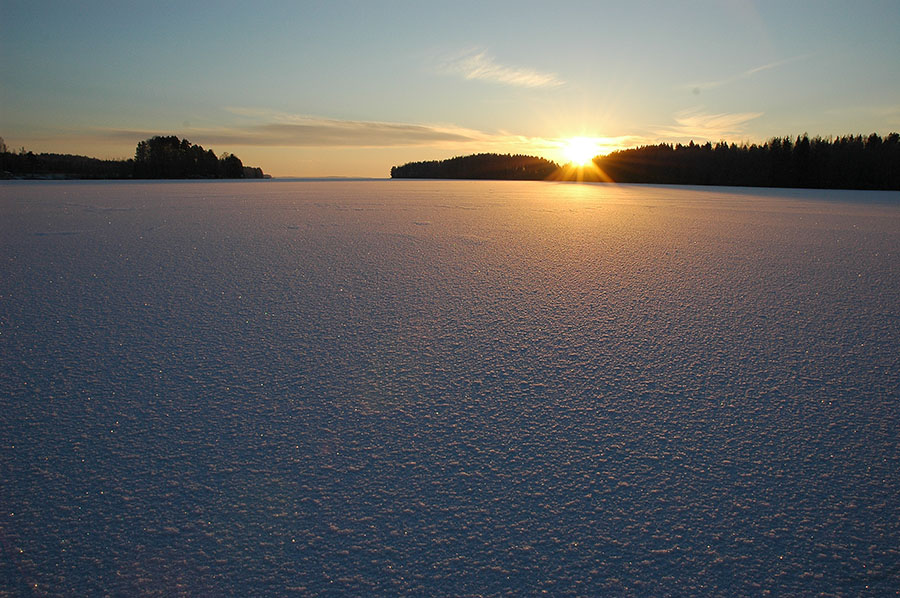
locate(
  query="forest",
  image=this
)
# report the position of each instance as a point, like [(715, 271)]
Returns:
[(160, 157), (479, 166), (846, 162)]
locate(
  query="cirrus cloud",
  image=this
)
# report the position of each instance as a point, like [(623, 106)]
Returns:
[(698, 124), (698, 86), (269, 128), (478, 65), (310, 131)]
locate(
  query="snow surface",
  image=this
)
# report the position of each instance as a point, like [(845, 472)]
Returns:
[(448, 388)]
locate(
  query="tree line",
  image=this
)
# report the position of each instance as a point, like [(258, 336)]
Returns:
[(160, 157), (479, 166), (846, 162)]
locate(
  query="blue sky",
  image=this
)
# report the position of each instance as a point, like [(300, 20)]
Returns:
[(352, 88)]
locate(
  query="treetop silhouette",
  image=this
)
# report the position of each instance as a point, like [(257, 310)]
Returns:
[(846, 162)]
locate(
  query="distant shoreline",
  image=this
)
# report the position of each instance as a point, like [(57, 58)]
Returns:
[(847, 162), (157, 158)]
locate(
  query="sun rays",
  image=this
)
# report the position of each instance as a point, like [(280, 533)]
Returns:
[(580, 165), (580, 150)]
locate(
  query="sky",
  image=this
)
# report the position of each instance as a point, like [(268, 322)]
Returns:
[(353, 88)]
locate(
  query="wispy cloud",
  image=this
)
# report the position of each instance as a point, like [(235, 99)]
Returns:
[(268, 128), (309, 131), (699, 86), (701, 125), (479, 65)]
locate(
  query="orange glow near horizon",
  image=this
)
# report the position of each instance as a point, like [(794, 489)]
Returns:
[(587, 173), (580, 151)]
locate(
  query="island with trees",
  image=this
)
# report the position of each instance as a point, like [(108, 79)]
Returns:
[(480, 166), (846, 162), (160, 157)]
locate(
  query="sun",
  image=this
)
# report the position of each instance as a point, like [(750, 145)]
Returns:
[(580, 150)]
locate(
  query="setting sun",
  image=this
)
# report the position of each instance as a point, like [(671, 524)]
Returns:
[(580, 150)]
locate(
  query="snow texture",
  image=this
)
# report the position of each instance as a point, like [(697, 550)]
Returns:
[(448, 388)]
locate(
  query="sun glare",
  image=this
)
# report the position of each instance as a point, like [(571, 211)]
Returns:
[(580, 150)]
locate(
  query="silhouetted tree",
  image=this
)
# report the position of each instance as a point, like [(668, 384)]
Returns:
[(155, 158), (232, 167), (848, 162), (479, 166), (170, 157)]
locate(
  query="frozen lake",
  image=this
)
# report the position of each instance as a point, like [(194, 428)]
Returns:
[(447, 388)]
